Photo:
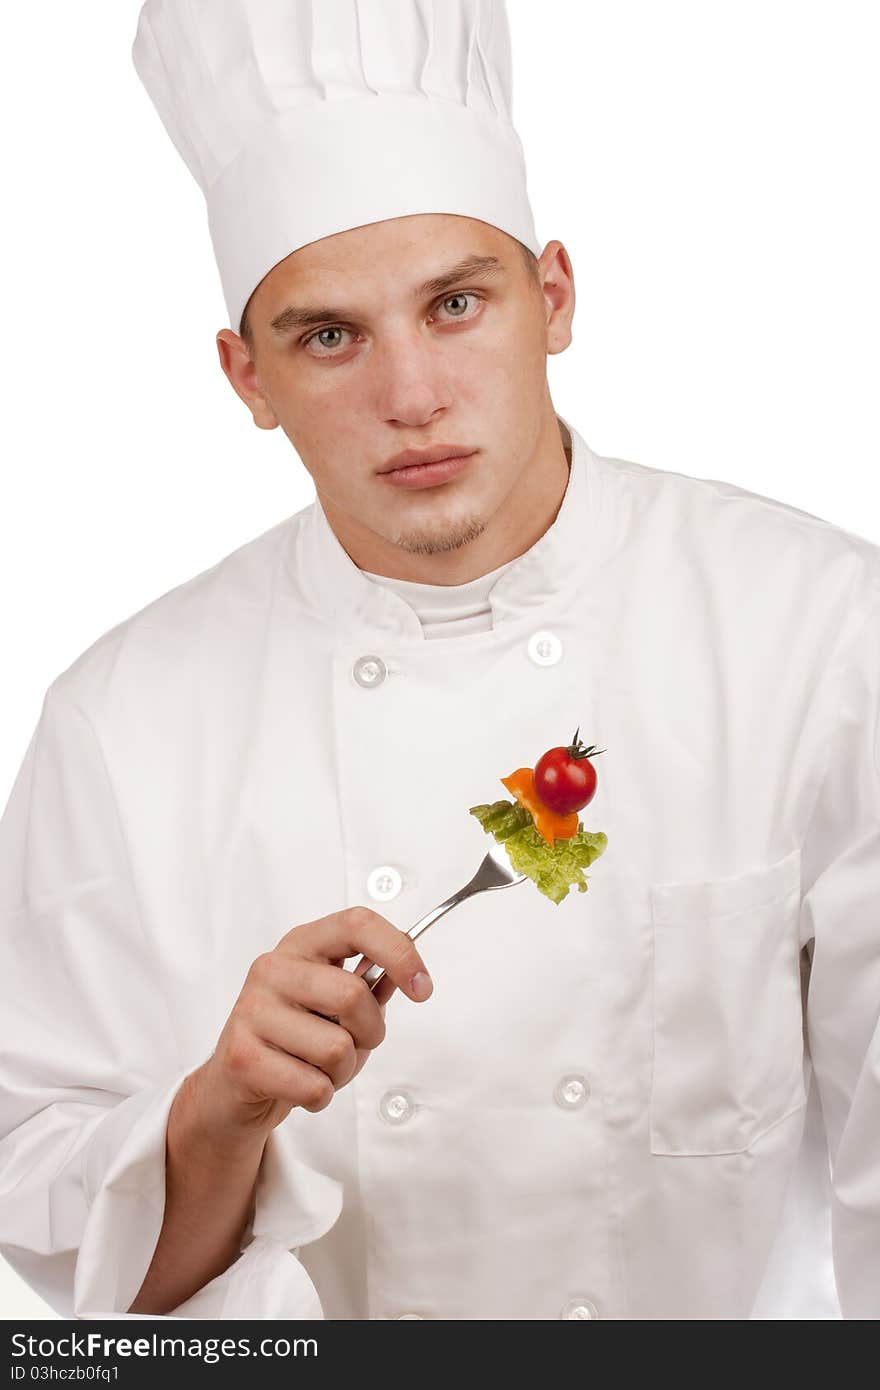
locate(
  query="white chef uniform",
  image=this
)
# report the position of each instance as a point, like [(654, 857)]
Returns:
[(621, 1106)]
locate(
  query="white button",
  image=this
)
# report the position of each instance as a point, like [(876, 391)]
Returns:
[(396, 1107), (384, 882), (402, 1316), (545, 648), (369, 671), (579, 1308), (571, 1091)]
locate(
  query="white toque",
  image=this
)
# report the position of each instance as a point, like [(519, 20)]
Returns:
[(302, 118)]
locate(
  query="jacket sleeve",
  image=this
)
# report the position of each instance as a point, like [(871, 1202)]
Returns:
[(89, 1066), (840, 916)]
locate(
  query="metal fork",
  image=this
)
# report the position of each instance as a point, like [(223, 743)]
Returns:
[(494, 872)]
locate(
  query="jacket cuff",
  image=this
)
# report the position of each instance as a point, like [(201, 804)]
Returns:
[(124, 1179)]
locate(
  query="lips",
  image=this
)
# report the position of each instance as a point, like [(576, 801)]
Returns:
[(428, 474), (436, 453)]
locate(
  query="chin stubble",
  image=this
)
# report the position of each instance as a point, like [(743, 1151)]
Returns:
[(433, 542)]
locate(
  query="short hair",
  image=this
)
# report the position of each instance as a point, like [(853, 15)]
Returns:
[(530, 262)]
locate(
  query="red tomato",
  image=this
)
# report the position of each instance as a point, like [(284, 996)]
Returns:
[(565, 779)]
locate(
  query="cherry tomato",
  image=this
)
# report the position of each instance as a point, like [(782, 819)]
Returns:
[(565, 779)]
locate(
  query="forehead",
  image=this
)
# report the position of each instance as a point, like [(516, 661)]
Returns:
[(403, 251)]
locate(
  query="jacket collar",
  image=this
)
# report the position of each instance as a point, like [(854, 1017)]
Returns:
[(333, 585)]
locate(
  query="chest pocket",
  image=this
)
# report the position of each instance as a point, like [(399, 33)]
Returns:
[(728, 1013)]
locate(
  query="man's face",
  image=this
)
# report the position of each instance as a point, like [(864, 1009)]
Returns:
[(391, 362)]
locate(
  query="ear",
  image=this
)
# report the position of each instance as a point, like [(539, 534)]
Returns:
[(557, 287), (241, 370)]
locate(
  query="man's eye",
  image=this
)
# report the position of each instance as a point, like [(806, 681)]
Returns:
[(459, 295), (318, 337)]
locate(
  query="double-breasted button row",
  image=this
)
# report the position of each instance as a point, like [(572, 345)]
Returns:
[(575, 1308), (544, 648), (385, 882), (571, 1092)]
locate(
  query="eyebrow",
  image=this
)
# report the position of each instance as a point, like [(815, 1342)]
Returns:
[(306, 316)]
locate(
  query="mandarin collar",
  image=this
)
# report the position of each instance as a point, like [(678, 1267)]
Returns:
[(335, 587)]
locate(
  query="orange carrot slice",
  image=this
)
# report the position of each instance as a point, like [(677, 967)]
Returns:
[(549, 824)]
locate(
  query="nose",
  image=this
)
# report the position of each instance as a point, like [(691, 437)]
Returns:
[(414, 384)]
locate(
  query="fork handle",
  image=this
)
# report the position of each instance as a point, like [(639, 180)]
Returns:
[(374, 974)]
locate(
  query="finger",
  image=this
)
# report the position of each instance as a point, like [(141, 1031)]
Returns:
[(280, 1076), (329, 991), (363, 1056), (383, 990), (324, 1045), (360, 930)]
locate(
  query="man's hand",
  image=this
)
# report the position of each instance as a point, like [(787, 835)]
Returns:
[(302, 1026)]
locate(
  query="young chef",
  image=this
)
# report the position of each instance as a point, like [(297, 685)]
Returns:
[(657, 1099)]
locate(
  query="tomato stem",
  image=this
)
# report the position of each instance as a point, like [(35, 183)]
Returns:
[(577, 750)]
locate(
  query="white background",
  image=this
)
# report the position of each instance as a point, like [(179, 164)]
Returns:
[(711, 168)]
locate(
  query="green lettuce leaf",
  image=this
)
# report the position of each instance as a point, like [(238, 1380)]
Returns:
[(555, 870)]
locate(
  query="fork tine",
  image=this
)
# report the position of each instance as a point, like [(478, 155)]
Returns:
[(496, 871)]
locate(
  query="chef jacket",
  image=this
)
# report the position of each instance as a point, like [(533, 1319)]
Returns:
[(659, 1098)]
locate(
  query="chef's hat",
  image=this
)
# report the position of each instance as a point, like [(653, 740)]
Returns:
[(301, 118)]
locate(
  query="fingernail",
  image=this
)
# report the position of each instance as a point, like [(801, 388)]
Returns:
[(422, 985)]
